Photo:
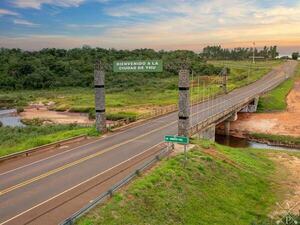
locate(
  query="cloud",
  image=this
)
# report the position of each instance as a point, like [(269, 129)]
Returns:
[(7, 13), (78, 26), (24, 22), (134, 10), (206, 21), (172, 24), (37, 4)]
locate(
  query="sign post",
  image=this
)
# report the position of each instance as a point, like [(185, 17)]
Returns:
[(177, 139), (180, 140)]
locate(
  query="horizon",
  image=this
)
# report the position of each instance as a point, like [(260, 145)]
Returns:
[(156, 50), (158, 25)]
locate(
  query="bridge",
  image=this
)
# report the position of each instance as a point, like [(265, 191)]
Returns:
[(245, 99), (47, 187)]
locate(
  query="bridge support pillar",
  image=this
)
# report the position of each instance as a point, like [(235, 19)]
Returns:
[(184, 103), (99, 78), (252, 107), (227, 128), (208, 133), (227, 122)]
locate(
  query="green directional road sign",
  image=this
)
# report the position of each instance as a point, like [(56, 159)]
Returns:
[(177, 139), (138, 66)]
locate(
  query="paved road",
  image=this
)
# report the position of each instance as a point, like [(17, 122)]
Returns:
[(25, 190)]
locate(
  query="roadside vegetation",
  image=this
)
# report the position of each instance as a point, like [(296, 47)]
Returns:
[(243, 72), (152, 92), (277, 139), (17, 139), (65, 77), (275, 100), (219, 185)]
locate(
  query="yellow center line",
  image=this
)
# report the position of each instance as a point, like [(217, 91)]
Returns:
[(22, 184)]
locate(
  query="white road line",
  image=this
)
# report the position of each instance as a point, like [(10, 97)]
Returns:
[(72, 149), (41, 160), (97, 175)]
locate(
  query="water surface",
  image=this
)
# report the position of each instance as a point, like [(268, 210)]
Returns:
[(245, 143), (9, 118)]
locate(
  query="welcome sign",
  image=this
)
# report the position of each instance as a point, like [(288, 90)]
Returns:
[(138, 66)]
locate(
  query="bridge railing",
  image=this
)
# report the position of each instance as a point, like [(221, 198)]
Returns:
[(234, 108)]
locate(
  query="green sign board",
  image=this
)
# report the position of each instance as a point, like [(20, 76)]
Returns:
[(138, 66), (177, 139)]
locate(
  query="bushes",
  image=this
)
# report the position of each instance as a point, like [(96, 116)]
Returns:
[(50, 68), (131, 116)]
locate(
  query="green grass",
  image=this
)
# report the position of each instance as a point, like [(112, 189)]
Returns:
[(245, 72), (275, 100), (82, 99), (14, 140), (235, 188), (281, 139), (157, 92)]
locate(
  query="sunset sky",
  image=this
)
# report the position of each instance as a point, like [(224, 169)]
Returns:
[(158, 24)]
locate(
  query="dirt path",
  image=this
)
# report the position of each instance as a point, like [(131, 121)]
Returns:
[(281, 123), (289, 168)]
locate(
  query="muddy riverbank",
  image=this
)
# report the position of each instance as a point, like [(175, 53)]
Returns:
[(285, 123), (40, 111)]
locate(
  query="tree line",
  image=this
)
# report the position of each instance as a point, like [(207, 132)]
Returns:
[(51, 67), (217, 52)]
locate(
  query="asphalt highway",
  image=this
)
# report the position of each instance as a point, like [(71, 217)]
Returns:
[(25, 190)]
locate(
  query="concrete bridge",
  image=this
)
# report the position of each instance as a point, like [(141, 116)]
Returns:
[(245, 99), (48, 187)]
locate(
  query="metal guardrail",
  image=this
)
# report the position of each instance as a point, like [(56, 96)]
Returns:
[(109, 193), (39, 148)]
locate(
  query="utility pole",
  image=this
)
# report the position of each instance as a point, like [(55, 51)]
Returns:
[(192, 88), (99, 80), (253, 57), (184, 103), (224, 74)]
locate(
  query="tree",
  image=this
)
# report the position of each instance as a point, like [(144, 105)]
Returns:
[(217, 52), (51, 67), (295, 55)]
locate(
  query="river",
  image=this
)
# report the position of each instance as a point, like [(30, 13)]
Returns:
[(245, 143), (9, 117)]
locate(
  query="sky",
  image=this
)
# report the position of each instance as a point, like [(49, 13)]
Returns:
[(157, 24)]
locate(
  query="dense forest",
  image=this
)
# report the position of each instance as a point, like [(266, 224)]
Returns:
[(50, 68), (217, 52)]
